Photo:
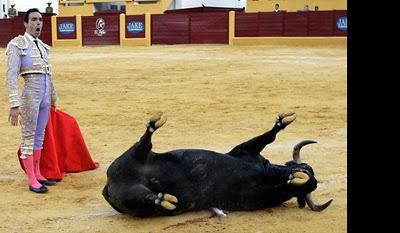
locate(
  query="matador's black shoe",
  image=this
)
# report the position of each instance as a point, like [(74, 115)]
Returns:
[(48, 182), (42, 189)]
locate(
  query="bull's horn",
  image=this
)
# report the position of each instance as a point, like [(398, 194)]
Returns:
[(297, 148), (314, 206)]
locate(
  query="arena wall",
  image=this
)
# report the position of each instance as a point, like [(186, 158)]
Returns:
[(233, 28)]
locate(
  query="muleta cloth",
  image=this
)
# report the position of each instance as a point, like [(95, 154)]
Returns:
[(64, 149)]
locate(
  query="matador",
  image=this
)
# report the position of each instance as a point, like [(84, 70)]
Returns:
[(28, 57)]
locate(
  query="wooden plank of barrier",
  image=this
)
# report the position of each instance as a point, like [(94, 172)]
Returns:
[(170, 29), (101, 30), (209, 28), (313, 40)]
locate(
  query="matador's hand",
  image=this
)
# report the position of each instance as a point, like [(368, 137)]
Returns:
[(13, 117)]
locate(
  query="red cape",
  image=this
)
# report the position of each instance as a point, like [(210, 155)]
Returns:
[(64, 149)]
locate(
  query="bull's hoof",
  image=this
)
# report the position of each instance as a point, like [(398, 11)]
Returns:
[(284, 119), (165, 200), (298, 178), (156, 121)]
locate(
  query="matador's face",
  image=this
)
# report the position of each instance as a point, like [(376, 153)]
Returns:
[(34, 24)]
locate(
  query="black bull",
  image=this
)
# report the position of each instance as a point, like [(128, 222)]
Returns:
[(144, 183)]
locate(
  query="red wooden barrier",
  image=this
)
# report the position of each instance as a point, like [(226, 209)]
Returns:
[(271, 23), (100, 30), (187, 28), (320, 23), (46, 36), (296, 24), (170, 29), (312, 23), (209, 28), (10, 28), (246, 24), (6, 31), (340, 20)]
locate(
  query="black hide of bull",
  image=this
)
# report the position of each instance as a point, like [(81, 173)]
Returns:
[(144, 183)]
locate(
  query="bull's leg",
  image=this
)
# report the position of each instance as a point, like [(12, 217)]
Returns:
[(107, 197), (143, 147), (255, 145)]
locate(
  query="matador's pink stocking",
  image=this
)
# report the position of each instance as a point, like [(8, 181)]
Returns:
[(36, 163), (28, 164)]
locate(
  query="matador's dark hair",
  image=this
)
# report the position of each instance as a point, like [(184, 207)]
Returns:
[(26, 16)]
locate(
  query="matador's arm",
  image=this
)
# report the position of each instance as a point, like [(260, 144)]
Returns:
[(12, 74)]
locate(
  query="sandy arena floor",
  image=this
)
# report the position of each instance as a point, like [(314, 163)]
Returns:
[(215, 97)]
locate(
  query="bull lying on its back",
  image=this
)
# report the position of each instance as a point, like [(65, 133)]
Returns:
[(144, 183)]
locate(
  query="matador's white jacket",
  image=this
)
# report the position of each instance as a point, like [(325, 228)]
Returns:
[(24, 58)]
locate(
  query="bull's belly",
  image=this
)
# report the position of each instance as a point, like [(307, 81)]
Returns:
[(201, 179)]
